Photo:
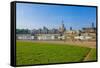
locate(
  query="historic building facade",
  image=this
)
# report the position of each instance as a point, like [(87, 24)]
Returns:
[(43, 34), (87, 33)]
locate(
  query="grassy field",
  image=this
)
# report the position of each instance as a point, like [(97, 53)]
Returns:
[(92, 55), (43, 53)]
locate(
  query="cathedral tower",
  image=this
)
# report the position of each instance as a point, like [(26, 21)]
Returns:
[(62, 27)]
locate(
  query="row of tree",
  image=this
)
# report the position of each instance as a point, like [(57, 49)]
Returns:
[(22, 31)]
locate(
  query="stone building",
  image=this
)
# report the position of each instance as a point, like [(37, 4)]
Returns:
[(87, 33), (43, 34)]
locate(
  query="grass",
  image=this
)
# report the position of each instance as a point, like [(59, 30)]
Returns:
[(92, 55), (44, 53)]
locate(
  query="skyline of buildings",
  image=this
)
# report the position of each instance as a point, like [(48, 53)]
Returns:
[(86, 33), (62, 27), (60, 30)]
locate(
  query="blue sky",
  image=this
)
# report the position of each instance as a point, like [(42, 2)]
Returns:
[(35, 16)]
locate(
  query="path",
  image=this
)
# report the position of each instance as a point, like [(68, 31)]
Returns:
[(87, 56)]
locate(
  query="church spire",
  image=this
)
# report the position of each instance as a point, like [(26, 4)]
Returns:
[(62, 27), (92, 25), (62, 24)]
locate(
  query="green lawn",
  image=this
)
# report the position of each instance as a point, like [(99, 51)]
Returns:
[(43, 53), (92, 55)]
